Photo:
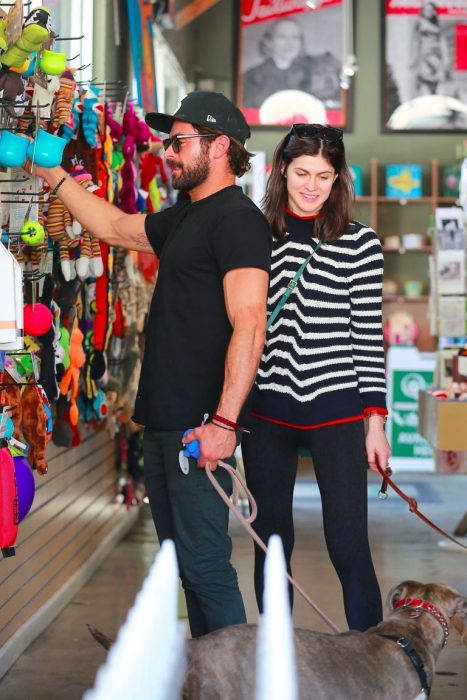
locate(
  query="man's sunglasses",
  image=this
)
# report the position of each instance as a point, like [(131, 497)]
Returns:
[(176, 141), (327, 133)]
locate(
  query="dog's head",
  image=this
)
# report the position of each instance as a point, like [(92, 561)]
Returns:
[(450, 602)]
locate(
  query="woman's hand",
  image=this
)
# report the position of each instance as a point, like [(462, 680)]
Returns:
[(377, 446)]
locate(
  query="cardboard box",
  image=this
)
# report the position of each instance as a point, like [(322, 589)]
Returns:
[(442, 422)]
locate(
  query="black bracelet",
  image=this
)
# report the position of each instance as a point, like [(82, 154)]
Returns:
[(224, 427), (58, 185)]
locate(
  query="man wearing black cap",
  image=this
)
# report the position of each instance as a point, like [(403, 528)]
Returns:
[(204, 337)]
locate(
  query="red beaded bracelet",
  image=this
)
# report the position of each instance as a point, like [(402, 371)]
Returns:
[(230, 423), (224, 427)]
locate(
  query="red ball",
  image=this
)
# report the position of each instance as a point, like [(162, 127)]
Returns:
[(38, 319)]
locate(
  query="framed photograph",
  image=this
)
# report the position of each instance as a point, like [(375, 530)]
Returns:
[(424, 65), (289, 63)]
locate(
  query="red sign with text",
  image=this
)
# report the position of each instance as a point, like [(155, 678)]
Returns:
[(448, 8), (254, 11), (460, 52)]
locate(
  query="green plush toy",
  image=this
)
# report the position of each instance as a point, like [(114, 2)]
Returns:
[(35, 32), (65, 343)]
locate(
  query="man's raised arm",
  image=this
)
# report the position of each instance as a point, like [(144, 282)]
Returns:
[(102, 219)]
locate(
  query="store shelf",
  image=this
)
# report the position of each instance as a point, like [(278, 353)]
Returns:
[(375, 199), (403, 251), (401, 299), (403, 201), (451, 201)]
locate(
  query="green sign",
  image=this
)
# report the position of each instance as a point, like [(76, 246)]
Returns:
[(405, 439)]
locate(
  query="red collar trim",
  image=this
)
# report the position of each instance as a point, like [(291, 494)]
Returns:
[(302, 218), (424, 606)]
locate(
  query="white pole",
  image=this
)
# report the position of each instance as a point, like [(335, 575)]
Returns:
[(276, 676), (147, 660)]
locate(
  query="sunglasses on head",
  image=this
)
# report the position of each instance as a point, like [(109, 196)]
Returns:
[(327, 133), (177, 140)]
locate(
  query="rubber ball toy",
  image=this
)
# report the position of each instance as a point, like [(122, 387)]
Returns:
[(25, 484), (32, 233), (38, 319)]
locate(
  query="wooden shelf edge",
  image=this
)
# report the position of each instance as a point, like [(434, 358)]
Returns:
[(401, 299), (403, 251), (406, 200)]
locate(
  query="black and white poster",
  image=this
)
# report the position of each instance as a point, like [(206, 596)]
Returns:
[(424, 65), (290, 61)]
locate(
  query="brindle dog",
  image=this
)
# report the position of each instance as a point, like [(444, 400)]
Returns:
[(379, 663)]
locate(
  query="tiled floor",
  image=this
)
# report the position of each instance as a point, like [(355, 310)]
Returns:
[(62, 662)]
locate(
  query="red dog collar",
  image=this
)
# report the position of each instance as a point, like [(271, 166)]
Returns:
[(425, 606)]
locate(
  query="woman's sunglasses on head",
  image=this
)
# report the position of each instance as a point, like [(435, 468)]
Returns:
[(177, 140), (327, 133)]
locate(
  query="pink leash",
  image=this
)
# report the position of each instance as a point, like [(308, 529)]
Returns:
[(246, 524)]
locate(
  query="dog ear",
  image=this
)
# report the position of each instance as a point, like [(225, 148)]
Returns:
[(459, 625), (397, 593), (459, 619)]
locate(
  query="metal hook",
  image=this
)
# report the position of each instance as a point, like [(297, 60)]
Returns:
[(34, 276), (12, 234), (86, 82), (68, 38), (112, 82), (83, 67), (74, 57), (19, 201), (14, 103)]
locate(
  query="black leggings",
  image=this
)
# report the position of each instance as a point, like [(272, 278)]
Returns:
[(270, 455)]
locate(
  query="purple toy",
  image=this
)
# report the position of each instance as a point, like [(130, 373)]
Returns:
[(25, 486)]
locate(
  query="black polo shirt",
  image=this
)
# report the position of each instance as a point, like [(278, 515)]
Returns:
[(188, 330)]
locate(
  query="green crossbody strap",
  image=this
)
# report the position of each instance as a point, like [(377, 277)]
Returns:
[(290, 287)]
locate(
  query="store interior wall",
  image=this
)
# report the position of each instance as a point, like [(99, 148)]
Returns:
[(206, 51), (111, 45)]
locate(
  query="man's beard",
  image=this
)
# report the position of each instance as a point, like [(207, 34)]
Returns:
[(190, 177)]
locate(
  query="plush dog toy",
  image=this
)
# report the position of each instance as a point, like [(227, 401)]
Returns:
[(92, 111), (89, 262), (59, 228), (36, 30), (36, 425), (64, 100), (70, 382)]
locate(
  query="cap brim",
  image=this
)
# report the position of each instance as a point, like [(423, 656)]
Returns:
[(159, 121)]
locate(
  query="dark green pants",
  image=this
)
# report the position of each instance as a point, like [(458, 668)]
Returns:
[(186, 509)]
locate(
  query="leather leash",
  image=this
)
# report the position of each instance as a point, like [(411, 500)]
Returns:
[(412, 502), (246, 524)]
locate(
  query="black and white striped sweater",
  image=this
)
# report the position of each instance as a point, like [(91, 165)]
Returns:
[(323, 360)]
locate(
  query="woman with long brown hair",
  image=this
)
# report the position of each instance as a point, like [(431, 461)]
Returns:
[(322, 375)]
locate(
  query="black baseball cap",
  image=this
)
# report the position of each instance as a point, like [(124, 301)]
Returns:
[(202, 108)]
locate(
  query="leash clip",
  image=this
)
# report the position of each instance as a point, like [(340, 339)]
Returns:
[(383, 492)]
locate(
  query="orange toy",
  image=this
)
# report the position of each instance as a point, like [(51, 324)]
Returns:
[(70, 380)]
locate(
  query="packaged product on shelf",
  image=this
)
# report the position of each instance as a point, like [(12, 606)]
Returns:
[(404, 181)]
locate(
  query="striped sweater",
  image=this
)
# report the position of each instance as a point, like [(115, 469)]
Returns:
[(323, 361)]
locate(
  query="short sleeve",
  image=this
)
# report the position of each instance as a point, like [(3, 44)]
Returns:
[(158, 226), (242, 239)]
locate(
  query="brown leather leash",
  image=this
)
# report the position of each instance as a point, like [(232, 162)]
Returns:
[(412, 502)]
